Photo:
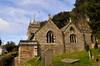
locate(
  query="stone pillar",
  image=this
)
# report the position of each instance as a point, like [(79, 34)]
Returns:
[(47, 57), (26, 51)]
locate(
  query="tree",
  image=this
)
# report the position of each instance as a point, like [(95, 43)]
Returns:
[(61, 19), (91, 8), (10, 46), (0, 42), (83, 8)]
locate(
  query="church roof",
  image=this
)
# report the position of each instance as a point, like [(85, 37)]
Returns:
[(81, 25), (65, 27)]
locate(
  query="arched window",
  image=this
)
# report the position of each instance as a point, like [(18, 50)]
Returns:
[(92, 38), (72, 38), (72, 30), (50, 37)]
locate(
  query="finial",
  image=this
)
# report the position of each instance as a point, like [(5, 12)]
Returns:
[(34, 18), (31, 21), (49, 16)]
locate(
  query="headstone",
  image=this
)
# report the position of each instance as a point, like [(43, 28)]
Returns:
[(47, 58), (70, 61), (90, 54)]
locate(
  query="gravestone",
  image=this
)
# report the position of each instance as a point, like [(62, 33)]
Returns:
[(47, 58), (70, 61)]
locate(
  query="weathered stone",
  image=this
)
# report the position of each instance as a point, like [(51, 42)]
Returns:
[(70, 61), (27, 50), (62, 39), (47, 58)]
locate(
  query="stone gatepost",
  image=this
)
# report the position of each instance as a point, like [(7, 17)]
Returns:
[(47, 57), (27, 50)]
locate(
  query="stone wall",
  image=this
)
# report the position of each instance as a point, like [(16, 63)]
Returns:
[(57, 49), (41, 37), (89, 40), (38, 44), (47, 58), (27, 50), (78, 45)]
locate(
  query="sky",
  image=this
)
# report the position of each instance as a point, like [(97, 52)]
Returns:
[(15, 15)]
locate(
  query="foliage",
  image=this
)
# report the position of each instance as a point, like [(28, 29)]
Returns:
[(83, 9), (9, 55), (91, 8), (0, 41), (96, 52), (33, 62), (82, 55), (6, 60), (61, 19), (10, 46), (99, 41)]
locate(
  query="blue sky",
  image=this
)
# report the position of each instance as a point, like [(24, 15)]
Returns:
[(15, 15)]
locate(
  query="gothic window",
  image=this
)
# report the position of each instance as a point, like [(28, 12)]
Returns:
[(32, 36), (92, 38), (72, 38), (72, 29), (50, 37)]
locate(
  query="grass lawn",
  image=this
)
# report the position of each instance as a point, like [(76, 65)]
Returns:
[(83, 56), (98, 41), (33, 62)]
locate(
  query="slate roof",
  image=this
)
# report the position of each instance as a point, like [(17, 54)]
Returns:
[(82, 25)]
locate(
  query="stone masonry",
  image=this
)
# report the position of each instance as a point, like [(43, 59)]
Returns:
[(70, 38)]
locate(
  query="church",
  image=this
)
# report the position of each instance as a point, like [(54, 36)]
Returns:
[(46, 35)]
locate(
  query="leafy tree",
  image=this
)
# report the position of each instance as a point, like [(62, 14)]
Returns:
[(0, 42), (61, 19), (10, 46), (92, 9), (83, 8)]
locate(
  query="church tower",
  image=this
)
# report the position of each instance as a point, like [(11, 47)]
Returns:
[(33, 28)]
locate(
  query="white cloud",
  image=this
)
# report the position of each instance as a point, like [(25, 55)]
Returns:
[(16, 14), (4, 25)]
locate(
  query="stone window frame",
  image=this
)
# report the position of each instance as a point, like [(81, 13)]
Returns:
[(92, 38), (72, 29), (50, 37), (73, 38)]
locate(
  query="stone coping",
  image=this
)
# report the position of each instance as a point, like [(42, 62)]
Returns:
[(27, 43), (70, 61), (50, 44)]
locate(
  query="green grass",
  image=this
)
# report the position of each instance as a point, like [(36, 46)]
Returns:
[(83, 56), (33, 62), (96, 53), (8, 55), (98, 41)]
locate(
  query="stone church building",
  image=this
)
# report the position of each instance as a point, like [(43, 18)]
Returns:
[(46, 35)]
